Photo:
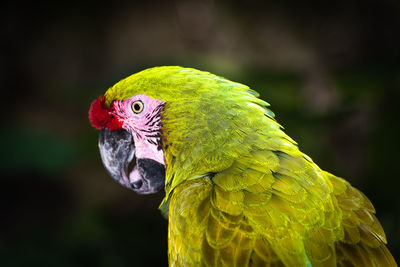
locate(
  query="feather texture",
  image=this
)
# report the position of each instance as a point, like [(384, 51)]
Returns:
[(238, 189)]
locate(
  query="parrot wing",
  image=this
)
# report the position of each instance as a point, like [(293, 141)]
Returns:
[(274, 207)]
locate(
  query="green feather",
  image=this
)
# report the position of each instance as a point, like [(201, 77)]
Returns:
[(238, 190)]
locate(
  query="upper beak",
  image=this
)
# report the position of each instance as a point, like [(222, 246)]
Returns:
[(117, 150)]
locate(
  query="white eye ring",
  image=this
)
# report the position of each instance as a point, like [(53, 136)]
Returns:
[(137, 106)]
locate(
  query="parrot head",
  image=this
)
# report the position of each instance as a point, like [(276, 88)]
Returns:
[(130, 141), (167, 124)]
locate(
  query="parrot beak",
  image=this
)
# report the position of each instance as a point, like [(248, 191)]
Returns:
[(117, 150)]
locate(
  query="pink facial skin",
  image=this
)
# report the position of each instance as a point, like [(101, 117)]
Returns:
[(144, 127)]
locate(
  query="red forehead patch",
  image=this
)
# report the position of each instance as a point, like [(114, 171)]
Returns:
[(101, 117)]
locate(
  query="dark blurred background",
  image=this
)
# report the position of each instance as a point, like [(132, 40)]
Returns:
[(329, 69)]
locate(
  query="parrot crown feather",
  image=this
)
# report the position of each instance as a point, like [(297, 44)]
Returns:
[(100, 116)]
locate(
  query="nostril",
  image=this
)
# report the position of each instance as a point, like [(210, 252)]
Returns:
[(137, 184)]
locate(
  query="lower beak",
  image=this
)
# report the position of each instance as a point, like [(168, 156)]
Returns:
[(117, 150)]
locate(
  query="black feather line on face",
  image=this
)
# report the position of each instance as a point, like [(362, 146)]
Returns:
[(156, 114), (150, 131), (151, 119), (156, 121), (151, 142), (153, 135), (153, 116)]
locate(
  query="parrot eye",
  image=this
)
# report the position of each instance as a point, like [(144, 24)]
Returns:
[(137, 106)]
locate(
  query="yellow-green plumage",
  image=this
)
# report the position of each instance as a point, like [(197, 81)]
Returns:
[(238, 190)]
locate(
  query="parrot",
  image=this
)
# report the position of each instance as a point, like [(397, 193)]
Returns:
[(238, 190)]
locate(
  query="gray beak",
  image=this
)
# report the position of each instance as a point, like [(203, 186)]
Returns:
[(117, 150)]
